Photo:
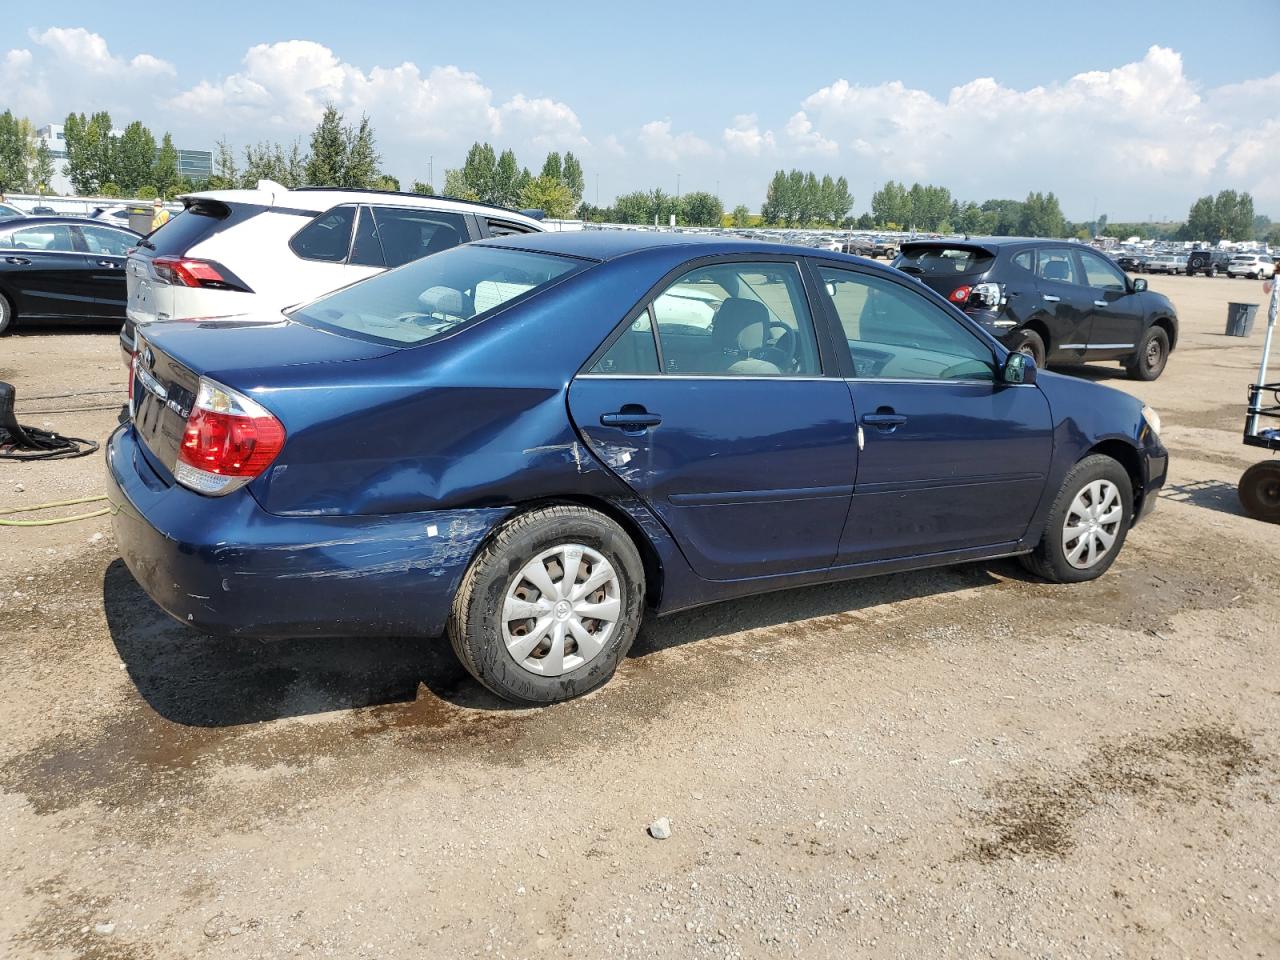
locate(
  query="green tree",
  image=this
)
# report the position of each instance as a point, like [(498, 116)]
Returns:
[(328, 161), (891, 206), (164, 172), (741, 216), (1228, 216), (479, 172), (361, 167), (550, 196), (633, 207), (384, 181), (14, 171), (456, 185), (1042, 216), (135, 155), (89, 151), (572, 176), (295, 165), (506, 180), (702, 209), (552, 167), (226, 175), (42, 169), (423, 188)]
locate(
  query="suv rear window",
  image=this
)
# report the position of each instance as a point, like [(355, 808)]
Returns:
[(200, 220), (941, 261), (436, 295)]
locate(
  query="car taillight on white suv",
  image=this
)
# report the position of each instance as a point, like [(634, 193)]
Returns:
[(229, 440), (190, 272)]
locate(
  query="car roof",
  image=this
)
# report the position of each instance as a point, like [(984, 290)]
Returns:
[(320, 199), (611, 244), (39, 219)]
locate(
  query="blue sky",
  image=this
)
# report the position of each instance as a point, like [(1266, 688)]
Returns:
[(1111, 112)]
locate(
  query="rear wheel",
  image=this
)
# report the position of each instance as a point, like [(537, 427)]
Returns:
[(1030, 343), (550, 607), (1152, 355), (1259, 491), (6, 315), (1087, 524)]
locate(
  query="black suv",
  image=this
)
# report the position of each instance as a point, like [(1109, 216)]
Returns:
[(1056, 301), (1209, 262)]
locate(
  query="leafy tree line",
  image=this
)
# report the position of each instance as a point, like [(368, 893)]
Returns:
[(489, 177), (697, 209), (799, 198), (932, 209)]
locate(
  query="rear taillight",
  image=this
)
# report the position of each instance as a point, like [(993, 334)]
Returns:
[(189, 272), (229, 440), (960, 294)]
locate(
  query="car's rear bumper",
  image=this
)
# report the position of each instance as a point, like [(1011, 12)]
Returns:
[(225, 566)]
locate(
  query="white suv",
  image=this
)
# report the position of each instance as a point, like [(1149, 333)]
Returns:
[(1256, 265), (231, 252)]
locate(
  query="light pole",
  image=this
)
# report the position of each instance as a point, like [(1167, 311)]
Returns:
[(677, 186), (431, 171)]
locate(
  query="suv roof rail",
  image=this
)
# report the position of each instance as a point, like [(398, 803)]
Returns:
[(408, 193)]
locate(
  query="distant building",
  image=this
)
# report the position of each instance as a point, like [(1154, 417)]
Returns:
[(197, 165)]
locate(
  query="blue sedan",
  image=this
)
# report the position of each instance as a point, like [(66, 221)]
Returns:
[(528, 443)]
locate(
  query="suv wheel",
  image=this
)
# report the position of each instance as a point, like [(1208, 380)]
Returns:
[(1152, 355), (1030, 343), (550, 607), (1087, 524), (6, 315)]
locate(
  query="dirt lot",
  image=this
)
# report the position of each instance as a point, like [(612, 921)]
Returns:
[(957, 763)]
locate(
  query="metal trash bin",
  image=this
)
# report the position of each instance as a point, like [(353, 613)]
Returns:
[(1240, 319)]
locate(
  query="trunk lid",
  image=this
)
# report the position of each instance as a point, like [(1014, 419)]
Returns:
[(943, 266), (173, 355)]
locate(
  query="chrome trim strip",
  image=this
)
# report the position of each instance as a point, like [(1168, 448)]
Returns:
[(693, 376)]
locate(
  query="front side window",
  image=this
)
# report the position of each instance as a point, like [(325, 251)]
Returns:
[(54, 237), (896, 334), (409, 234), (436, 295), (1057, 264), (1100, 273), (327, 237), (111, 243)]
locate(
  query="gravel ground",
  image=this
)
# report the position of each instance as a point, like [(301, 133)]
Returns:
[(956, 763)]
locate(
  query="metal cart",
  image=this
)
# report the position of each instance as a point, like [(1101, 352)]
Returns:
[(1259, 486)]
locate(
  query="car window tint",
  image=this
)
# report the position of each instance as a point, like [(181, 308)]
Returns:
[(896, 334), (501, 228), (327, 237), (50, 236), (436, 295), (409, 235), (635, 352), (366, 249), (1101, 274), (1057, 264), (109, 242), (737, 319), (1026, 260)]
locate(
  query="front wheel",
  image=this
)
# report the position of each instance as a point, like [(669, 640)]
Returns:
[(1152, 355), (1259, 491), (550, 606), (1087, 524), (1029, 343), (6, 315)]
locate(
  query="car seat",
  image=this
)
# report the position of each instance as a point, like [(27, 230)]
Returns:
[(1058, 270)]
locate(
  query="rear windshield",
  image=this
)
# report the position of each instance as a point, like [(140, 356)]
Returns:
[(941, 261), (184, 230), (431, 297)]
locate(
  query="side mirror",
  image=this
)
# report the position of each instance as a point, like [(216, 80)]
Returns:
[(1018, 368), (1139, 284)]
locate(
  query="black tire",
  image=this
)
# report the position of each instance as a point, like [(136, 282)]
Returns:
[(7, 317), (1213, 270), (1049, 560), (475, 626), (1030, 343), (1151, 357), (1259, 491)]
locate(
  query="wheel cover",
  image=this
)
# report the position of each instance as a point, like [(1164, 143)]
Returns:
[(1155, 353), (561, 609), (1092, 524)]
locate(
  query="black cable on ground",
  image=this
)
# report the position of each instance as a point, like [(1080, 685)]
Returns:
[(18, 442)]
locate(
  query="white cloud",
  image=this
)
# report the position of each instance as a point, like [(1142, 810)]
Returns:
[(745, 136), (89, 51), (658, 143), (541, 122), (807, 140)]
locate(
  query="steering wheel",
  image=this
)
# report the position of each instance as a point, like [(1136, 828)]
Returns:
[(780, 350)]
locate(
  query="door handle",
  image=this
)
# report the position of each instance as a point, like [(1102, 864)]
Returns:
[(632, 419), (1100, 303), (887, 421), (107, 263), (1050, 298), (18, 260)]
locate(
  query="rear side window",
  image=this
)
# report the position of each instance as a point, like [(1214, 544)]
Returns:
[(366, 249), (1026, 260), (941, 261), (107, 241), (501, 228), (1057, 264), (409, 235), (434, 296), (327, 237)]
